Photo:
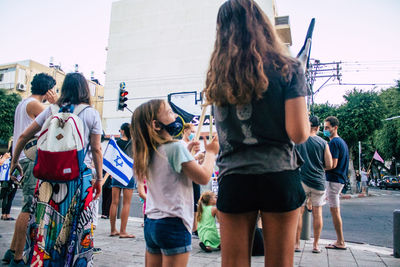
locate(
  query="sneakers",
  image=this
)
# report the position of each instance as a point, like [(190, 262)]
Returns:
[(8, 256), (96, 250), (195, 235)]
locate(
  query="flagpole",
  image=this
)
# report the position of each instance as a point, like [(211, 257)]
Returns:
[(211, 124), (200, 125)]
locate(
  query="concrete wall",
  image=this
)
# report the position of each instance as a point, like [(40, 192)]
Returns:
[(158, 47)]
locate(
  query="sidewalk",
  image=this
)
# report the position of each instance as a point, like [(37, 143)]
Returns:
[(130, 252)]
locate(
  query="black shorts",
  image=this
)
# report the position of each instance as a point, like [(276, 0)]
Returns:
[(196, 195), (269, 192)]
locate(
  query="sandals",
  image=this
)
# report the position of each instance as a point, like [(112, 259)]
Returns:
[(333, 246), (204, 248)]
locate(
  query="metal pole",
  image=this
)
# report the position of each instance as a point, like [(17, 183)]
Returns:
[(396, 233), (359, 156), (306, 230)]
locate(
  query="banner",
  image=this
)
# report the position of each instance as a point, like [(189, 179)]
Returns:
[(188, 117), (4, 170), (117, 163)]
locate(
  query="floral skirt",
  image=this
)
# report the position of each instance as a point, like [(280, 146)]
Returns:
[(60, 231)]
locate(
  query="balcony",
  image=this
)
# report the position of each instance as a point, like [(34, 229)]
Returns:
[(282, 27)]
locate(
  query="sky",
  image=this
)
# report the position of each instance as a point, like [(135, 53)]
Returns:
[(362, 34)]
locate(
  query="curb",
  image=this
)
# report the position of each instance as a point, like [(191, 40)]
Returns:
[(355, 196)]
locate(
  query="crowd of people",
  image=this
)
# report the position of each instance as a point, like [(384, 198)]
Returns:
[(269, 156)]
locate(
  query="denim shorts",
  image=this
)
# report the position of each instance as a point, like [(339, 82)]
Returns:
[(168, 236), (130, 185)]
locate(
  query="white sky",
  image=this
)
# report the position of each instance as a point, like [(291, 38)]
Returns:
[(76, 32)]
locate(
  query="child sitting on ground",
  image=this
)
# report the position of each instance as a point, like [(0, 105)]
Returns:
[(206, 225)]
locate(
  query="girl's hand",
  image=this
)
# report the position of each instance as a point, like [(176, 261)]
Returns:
[(51, 96), (212, 147), (194, 147)]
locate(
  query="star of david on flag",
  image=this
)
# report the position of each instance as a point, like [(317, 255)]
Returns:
[(4, 170), (117, 163)]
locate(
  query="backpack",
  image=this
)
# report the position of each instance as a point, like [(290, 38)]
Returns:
[(60, 145)]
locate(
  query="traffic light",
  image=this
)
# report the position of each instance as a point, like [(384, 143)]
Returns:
[(122, 97)]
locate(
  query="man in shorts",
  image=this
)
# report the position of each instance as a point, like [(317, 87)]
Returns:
[(336, 177), (317, 158), (25, 113)]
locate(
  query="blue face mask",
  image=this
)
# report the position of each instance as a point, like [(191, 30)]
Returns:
[(327, 133), (175, 128), (191, 136)]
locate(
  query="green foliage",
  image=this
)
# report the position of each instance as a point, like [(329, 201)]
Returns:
[(360, 116), (8, 103), (387, 139)]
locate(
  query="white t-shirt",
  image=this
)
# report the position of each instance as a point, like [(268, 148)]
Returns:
[(169, 191), (91, 122), (364, 176)]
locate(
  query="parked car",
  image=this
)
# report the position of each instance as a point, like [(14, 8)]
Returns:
[(389, 182)]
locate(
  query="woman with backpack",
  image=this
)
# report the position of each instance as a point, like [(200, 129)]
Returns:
[(63, 212)]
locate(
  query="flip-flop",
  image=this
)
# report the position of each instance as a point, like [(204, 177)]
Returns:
[(204, 248), (297, 250), (112, 235), (317, 250), (333, 246), (127, 236)]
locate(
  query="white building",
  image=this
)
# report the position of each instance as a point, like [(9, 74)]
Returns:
[(160, 47)]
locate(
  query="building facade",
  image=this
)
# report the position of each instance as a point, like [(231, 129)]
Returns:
[(17, 77), (161, 47)]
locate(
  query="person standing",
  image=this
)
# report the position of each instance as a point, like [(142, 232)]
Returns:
[(258, 92), (336, 177), (25, 113), (358, 180), (7, 193), (64, 210), (317, 158), (188, 134), (364, 181), (117, 187)]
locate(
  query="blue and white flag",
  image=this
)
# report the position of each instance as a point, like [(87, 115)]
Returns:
[(117, 163), (4, 170)]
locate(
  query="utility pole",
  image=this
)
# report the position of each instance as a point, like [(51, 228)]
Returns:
[(318, 70)]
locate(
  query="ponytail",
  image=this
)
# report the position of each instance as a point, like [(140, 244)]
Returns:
[(204, 200)]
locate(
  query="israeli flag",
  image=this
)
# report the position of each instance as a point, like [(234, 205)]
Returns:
[(4, 170), (117, 163)]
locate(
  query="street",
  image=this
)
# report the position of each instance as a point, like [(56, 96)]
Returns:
[(366, 220)]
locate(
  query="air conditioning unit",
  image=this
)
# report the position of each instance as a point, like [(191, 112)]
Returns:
[(21, 87)]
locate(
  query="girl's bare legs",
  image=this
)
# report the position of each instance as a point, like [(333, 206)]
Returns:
[(126, 205), (237, 232), (178, 260), (153, 260), (279, 232), (113, 210)]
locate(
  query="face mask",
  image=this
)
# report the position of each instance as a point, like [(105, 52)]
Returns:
[(191, 136), (175, 128), (327, 133)]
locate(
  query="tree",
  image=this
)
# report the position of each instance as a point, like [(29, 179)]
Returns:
[(387, 139), (8, 103)]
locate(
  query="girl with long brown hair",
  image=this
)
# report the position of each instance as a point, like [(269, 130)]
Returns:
[(260, 110), (169, 170)]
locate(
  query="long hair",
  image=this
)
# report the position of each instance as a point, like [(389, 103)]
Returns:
[(75, 90), (145, 139), (126, 128), (246, 46), (203, 201)]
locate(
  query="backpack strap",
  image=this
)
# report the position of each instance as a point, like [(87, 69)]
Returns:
[(54, 109), (79, 108)]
